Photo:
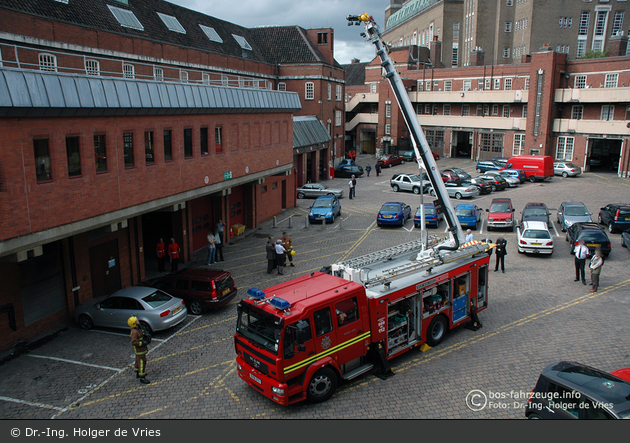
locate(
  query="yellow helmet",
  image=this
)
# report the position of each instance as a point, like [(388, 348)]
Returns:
[(292, 252), (132, 322)]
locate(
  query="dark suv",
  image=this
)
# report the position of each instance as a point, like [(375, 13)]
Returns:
[(201, 288), (592, 234), (616, 216), (568, 390)]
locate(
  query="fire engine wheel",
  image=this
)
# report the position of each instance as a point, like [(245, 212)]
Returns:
[(322, 386), (195, 308), (436, 331)]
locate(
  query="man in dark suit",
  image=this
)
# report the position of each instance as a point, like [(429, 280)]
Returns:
[(501, 253)]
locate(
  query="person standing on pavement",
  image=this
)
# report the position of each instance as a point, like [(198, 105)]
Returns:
[(597, 261), (270, 249), (221, 228), (469, 236), (368, 168), (581, 253), (173, 253), (219, 245), (280, 256), (287, 244), (351, 188), (377, 168), (500, 254), (354, 186), (161, 254), (140, 349), (212, 248)]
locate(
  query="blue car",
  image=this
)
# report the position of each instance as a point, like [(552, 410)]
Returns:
[(326, 206), (487, 165), (469, 216), (431, 216), (393, 213)]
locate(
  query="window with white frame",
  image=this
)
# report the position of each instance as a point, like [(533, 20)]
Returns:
[(506, 110), (129, 71), (507, 27), (126, 18), (466, 85), (388, 109), (428, 85), (580, 82), (507, 84), (388, 129), (337, 118), (338, 93), (611, 80), (509, 2), (524, 113), (373, 88), (183, 76), (576, 112), (205, 78), (581, 48), (92, 67), (47, 62), (601, 21), (617, 22), (282, 86), (309, 91), (486, 110), (506, 52), (455, 54), (527, 83), (448, 85), (486, 84), (427, 109), (495, 109), (172, 23), (329, 92), (242, 42), (564, 148), (585, 17), (446, 110), (419, 109), (436, 86), (518, 146), (497, 83), (158, 74), (465, 110), (607, 112)]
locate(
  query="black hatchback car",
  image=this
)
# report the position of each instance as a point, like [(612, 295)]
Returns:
[(616, 216), (347, 171), (592, 234), (569, 390)]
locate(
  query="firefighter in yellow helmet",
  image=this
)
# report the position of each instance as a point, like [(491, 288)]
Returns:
[(139, 343)]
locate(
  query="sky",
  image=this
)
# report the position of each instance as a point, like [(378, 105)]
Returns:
[(305, 13)]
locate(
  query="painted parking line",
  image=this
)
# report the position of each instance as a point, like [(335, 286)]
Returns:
[(553, 225), (65, 360), (31, 403)]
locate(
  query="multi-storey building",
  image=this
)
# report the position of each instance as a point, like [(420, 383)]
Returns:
[(505, 29), (125, 121)]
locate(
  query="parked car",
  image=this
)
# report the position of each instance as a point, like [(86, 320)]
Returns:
[(314, 190), (593, 235), (449, 176), (387, 161), (457, 189), (518, 173), (536, 167), (487, 165), (483, 186), (572, 212), (533, 237), (496, 182), (326, 206), (393, 213), (156, 310), (200, 288), (502, 161), (500, 214), (615, 215), (347, 171), (409, 182), (347, 161), (469, 216), (566, 169), (431, 216), (625, 238), (410, 156), (536, 212), (569, 390), (463, 175), (511, 181)]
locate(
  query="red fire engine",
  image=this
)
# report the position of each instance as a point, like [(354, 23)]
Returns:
[(298, 340)]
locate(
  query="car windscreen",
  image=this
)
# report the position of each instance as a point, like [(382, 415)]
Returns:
[(259, 326), (593, 236), (575, 211), (534, 211), (158, 298), (624, 212), (390, 208), (500, 207), (322, 203), (536, 233), (427, 211), (464, 212), (414, 178), (606, 386), (571, 165)]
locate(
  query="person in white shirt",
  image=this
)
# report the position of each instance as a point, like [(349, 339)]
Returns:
[(351, 187), (280, 251), (597, 261), (581, 253), (469, 236)]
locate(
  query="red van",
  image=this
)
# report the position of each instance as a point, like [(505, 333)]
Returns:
[(536, 167)]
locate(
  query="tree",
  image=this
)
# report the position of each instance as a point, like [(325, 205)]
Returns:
[(594, 54)]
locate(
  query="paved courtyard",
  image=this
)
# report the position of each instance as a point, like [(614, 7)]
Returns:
[(537, 315)]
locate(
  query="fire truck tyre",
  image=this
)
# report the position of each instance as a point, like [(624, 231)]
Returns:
[(395, 188), (300, 195), (322, 386), (86, 322), (436, 331), (195, 308)]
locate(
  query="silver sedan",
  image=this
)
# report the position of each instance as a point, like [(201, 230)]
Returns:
[(566, 169), (458, 190), (156, 310), (511, 180), (314, 190)]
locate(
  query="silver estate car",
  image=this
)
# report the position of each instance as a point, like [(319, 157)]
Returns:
[(566, 169), (155, 309), (314, 190)]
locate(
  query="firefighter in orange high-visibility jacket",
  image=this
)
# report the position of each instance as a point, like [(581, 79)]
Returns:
[(140, 348)]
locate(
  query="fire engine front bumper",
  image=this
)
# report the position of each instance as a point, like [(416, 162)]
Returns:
[(262, 383)]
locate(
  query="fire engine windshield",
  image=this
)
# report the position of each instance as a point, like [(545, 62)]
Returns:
[(260, 327)]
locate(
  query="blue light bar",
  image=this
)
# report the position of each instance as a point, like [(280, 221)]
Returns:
[(279, 303), (256, 293)]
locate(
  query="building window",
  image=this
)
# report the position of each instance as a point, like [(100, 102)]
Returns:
[(576, 112), (617, 22), (211, 34), (42, 159), (419, 109), (158, 74), (448, 85), (506, 52), (627, 112), (507, 84), (524, 114), (388, 110), (527, 83), (373, 88), (580, 82), (585, 17), (486, 84), (310, 90), (242, 42), (427, 109), (183, 76), (172, 23), (149, 154), (601, 21), (128, 149), (611, 80), (388, 129), (507, 27), (329, 91), (509, 2), (225, 80), (466, 85), (282, 86), (329, 127), (495, 109), (446, 110), (128, 71), (203, 140), (126, 18), (188, 145), (486, 110), (337, 118), (518, 147), (607, 112), (218, 139), (100, 153), (465, 110), (168, 147), (92, 67), (564, 148), (338, 94), (581, 48), (506, 110), (205, 78), (455, 55), (322, 38), (497, 83)]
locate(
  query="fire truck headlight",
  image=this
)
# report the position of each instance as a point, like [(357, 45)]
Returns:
[(239, 367), (277, 391)]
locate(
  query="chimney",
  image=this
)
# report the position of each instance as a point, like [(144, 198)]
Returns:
[(546, 47), (435, 52), (477, 57), (617, 45)]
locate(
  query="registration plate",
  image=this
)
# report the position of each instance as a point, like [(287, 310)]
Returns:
[(387, 216), (592, 245), (536, 244), (627, 219), (177, 309), (256, 379), (225, 291)]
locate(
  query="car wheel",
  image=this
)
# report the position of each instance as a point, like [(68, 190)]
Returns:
[(322, 386), (390, 165), (437, 331), (145, 328), (611, 228), (300, 195), (493, 188), (402, 162), (86, 322), (416, 191), (565, 175), (534, 417), (532, 179), (479, 170), (458, 195), (330, 193), (395, 188), (195, 308)]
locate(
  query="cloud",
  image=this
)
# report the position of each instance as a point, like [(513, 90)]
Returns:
[(307, 14)]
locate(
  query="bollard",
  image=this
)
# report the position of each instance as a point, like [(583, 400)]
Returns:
[(290, 221), (274, 221), (306, 221), (341, 223), (323, 223)]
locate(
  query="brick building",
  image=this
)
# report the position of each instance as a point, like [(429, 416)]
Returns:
[(126, 121)]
